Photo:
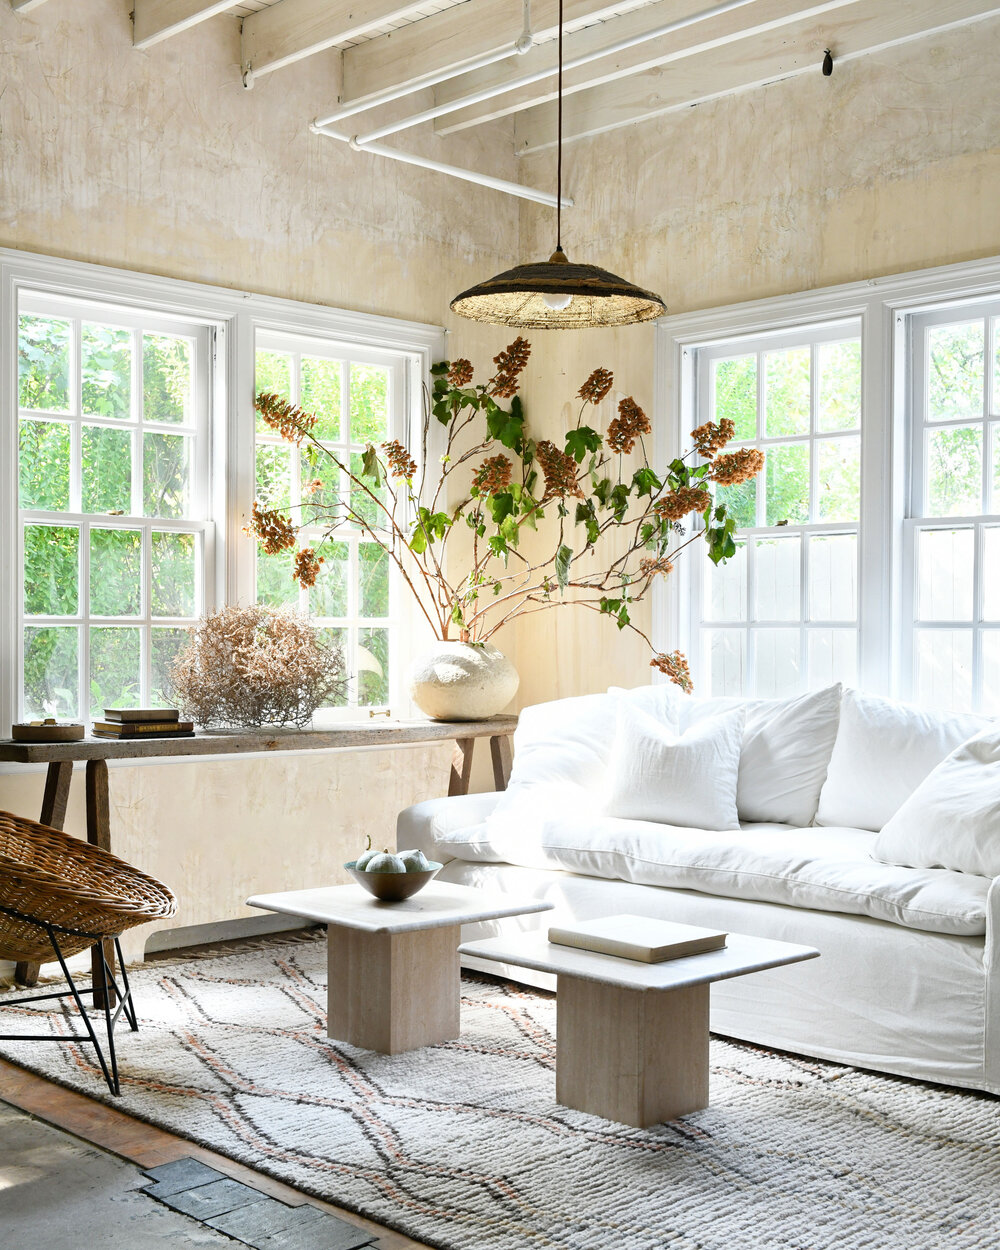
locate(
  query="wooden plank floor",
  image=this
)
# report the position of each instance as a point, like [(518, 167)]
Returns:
[(141, 1143)]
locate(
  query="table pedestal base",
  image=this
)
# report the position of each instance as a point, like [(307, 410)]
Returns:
[(392, 992), (636, 1056)]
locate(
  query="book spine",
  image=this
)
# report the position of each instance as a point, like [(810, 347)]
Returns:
[(143, 727), (145, 715), (172, 733)]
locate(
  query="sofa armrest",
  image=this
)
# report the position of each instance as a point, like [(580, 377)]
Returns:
[(426, 825)]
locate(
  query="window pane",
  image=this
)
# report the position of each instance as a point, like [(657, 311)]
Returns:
[(329, 595), (954, 471), (43, 465), (777, 579), (164, 645), (990, 697), (320, 484), (369, 404), (107, 469), (726, 588), (273, 373), (833, 656), (173, 575), (840, 478), (735, 390), (786, 392), (361, 500), (840, 385), (274, 476), (106, 368), (741, 501), (373, 667), (945, 561), (338, 637), (726, 650), (991, 583), (51, 570), (833, 577), (787, 471), (776, 662), (51, 679), (275, 584), (995, 405), (166, 473), (994, 428), (321, 395), (955, 371), (374, 575), (115, 572), (166, 378), (114, 668), (944, 668), (43, 363)]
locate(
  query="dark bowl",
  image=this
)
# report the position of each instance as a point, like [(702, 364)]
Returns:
[(393, 887)]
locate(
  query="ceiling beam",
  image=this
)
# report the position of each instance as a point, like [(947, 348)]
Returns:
[(459, 34), (293, 29), (153, 20), (756, 18), (866, 26), (25, 6)]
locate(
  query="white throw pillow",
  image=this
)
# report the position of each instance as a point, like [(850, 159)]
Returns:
[(787, 745), (883, 751), (952, 819), (687, 779)]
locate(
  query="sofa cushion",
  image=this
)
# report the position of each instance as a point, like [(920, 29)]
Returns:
[(952, 819), (883, 751), (677, 779), (828, 869)]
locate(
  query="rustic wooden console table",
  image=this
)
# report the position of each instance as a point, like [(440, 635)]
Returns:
[(61, 756)]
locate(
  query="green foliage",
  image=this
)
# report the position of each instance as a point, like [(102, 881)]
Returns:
[(581, 441), (506, 427), (369, 398), (564, 558), (166, 378), (43, 363)]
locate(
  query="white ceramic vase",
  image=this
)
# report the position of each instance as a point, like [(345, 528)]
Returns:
[(462, 681)]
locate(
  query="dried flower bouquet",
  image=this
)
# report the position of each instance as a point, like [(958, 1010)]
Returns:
[(612, 524)]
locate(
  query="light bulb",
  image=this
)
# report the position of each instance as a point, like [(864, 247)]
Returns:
[(557, 302)]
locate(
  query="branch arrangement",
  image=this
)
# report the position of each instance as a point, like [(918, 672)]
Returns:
[(613, 523)]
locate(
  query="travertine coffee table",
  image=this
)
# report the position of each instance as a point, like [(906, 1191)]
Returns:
[(394, 977), (632, 1038)]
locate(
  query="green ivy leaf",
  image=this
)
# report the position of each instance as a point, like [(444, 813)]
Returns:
[(370, 466), (564, 558), (585, 515), (645, 482), (581, 441)]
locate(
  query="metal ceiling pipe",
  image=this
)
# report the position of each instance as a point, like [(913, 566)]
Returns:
[(454, 171), (525, 80)]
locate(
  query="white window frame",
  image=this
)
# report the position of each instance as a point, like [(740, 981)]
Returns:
[(196, 522), (883, 306), (233, 317)]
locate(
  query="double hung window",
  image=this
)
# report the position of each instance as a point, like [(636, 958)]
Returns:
[(112, 502), (358, 397), (782, 614)]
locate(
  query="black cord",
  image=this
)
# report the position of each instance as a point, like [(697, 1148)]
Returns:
[(559, 146)]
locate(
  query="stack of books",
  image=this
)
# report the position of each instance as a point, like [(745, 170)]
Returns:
[(639, 937), (143, 722)]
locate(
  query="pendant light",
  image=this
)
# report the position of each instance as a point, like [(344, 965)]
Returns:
[(556, 294)]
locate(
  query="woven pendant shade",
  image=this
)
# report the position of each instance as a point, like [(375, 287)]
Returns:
[(517, 298)]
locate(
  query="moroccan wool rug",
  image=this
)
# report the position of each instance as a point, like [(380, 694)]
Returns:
[(463, 1145)]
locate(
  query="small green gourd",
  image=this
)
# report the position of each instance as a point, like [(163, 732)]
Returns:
[(414, 861), (366, 856), (385, 861)]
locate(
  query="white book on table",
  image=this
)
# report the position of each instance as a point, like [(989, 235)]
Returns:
[(640, 938)]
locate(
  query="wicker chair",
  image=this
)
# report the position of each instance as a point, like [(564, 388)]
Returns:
[(60, 895)]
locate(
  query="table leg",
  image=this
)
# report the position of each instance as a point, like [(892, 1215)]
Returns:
[(639, 1057), (392, 992), (54, 800), (99, 834), (461, 766), (500, 751)]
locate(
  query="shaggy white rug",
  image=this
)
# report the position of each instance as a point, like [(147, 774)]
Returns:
[(463, 1145)]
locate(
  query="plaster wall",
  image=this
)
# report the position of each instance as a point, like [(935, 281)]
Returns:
[(891, 165), (160, 161)]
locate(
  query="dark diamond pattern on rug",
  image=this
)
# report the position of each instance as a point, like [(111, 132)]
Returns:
[(247, 1215), (464, 1147)]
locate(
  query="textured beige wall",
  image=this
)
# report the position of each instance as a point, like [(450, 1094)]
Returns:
[(892, 164), (161, 162)]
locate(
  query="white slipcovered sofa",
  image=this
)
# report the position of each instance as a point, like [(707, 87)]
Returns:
[(774, 818)]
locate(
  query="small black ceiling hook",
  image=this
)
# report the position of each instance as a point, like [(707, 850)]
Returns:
[(827, 63)]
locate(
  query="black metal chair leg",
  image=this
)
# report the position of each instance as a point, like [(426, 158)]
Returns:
[(127, 996), (112, 1082), (107, 981)]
